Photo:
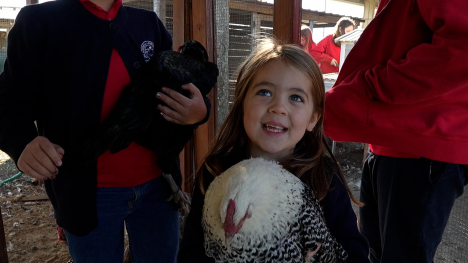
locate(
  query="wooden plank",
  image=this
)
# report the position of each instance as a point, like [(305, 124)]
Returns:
[(25, 199), (199, 24), (267, 9), (178, 23), (3, 250), (287, 19), (202, 31)]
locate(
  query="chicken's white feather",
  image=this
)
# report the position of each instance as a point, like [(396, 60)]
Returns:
[(285, 221)]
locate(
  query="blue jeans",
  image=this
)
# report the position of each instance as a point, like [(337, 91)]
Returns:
[(152, 224), (407, 203)]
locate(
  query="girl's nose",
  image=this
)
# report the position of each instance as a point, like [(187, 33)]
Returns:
[(278, 107)]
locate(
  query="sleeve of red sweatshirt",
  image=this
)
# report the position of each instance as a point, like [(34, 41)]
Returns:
[(431, 69), (319, 52)]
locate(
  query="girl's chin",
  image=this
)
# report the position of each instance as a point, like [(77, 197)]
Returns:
[(272, 154)]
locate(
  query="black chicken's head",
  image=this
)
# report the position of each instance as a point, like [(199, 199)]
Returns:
[(195, 49)]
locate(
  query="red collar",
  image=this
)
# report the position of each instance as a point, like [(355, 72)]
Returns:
[(101, 13)]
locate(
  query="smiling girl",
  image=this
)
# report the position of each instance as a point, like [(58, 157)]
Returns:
[(277, 114)]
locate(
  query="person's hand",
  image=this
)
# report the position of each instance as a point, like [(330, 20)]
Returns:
[(310, 254), (180, 109), (334, 62), (41, 158)]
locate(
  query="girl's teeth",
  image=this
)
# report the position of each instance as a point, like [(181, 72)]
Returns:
[(273, 128)]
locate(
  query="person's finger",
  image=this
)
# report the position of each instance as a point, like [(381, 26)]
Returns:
[(194, 91), (51, 152), (59, 150), (310, 254), (171, 97), (39, 173), (174, 105), (170, 114), (31, 172), (169, 119), (42, 164)]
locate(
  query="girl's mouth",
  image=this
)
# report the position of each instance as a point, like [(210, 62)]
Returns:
[(274, 128)]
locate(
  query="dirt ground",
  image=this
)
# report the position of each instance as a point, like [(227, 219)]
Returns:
[(30, 229), (31, 233)]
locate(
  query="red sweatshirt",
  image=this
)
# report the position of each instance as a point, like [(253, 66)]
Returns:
[(404, 86), (324, 52)]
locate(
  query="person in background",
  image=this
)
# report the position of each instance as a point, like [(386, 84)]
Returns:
[(327, 52), (404, 90), (67, 63), (306, 39)]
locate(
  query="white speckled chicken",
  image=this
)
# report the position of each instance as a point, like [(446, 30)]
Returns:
[(256, 211)]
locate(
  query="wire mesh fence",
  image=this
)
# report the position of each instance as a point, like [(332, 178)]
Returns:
[(5, 26), (163, 8)]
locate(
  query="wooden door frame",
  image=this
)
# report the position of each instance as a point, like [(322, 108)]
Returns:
[(287, 20), (194, 19)]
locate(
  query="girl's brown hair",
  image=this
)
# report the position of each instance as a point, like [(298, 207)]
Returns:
[(308, 161), (306, 32), (340, 26)]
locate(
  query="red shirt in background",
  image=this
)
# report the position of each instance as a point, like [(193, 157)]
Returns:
[(324, 52)]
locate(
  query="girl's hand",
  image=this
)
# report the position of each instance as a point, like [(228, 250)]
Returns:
[(180, 109), (334, 63), (310, 254), (41, 158)]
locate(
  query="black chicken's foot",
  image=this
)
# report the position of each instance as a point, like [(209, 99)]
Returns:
[(177, 196)]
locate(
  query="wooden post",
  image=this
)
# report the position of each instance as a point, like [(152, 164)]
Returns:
[(3, 250), (287, 16), (32, 2), (199, 26), (178, 9), (369, 10)]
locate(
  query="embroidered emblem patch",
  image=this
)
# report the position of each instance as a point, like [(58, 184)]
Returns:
[(147, 48)]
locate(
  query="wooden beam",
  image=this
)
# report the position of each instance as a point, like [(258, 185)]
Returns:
[(178, 23), (31, 2), (267, 9), (287, 19), (3, 249), (199, 26), (25, 199)]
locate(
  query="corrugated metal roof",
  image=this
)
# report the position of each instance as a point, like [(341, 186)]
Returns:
[(352, 36)]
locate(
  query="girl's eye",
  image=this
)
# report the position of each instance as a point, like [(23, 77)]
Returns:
[(296, 98), (264, 92)]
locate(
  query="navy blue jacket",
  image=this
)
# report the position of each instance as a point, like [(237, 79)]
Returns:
[(339, 217), (55, 73)]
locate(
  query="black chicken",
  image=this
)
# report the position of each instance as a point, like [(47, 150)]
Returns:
[(136, 117)]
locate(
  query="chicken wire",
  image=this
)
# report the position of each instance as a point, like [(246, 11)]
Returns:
[(238, 31), (5, 26), (163, 8)]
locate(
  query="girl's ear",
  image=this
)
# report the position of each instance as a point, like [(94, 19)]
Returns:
[(313, 121)]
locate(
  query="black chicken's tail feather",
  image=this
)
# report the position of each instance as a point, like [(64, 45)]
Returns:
[(109, 137)]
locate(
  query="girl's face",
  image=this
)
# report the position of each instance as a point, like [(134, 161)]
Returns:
[(303, 41), (346, 30), (278, 109)]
